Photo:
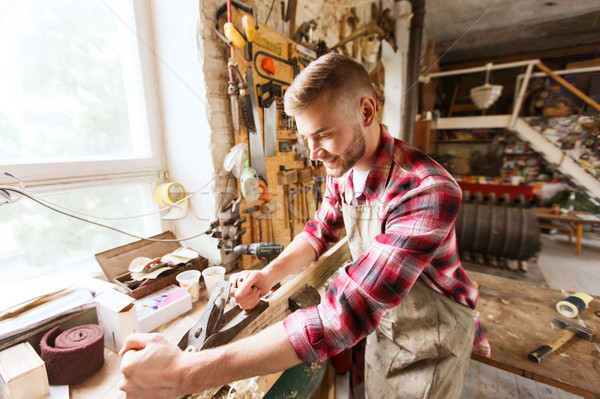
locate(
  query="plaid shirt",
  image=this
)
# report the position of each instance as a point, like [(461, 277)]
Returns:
[(419, 203)]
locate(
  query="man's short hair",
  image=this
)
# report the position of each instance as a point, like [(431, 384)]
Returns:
[(333, 76)]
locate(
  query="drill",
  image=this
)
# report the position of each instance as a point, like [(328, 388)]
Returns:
[(264, 251)]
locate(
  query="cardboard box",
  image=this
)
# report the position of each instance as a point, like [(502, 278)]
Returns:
[(117, 316), (115, 263), (22, 373), (160, 307)]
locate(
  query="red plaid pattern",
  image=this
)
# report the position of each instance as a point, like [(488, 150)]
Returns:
[(419, 203)]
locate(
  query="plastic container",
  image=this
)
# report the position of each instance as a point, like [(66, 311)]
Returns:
[(212, 277), (190, 281)]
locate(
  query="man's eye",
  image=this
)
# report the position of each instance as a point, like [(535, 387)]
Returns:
[(324, 136)]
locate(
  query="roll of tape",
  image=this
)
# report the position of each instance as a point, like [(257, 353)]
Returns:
[(74, 355), (573, 305), (168, 193)]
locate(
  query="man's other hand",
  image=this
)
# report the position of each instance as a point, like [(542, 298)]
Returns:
[(248, 287), (150, 367)]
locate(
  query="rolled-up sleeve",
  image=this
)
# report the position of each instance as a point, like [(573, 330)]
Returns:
[(326, 225), (417, 224)]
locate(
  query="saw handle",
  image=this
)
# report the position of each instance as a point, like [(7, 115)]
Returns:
[(550, 346)]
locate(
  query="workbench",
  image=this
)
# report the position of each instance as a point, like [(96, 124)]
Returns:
[(105, 383), (517, 315), (573, 218)]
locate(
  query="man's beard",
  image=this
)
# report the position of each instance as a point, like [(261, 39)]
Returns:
[(351, 156)]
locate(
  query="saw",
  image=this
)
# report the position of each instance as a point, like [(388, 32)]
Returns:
[(257, 155)]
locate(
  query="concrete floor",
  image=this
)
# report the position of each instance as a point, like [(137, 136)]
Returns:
[(561, 268)]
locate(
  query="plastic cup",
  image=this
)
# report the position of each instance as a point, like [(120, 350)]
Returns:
[(212, 277), (190, 281)]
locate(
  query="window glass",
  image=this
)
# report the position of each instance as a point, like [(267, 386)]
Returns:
[(70, 82), (36, 240)]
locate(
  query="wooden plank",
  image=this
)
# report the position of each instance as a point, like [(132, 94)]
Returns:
[(517, 316), (473, 122), (424, 136), (314, 275), (569, 86)]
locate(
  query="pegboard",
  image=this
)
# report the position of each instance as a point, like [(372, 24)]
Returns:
[(293, 184)]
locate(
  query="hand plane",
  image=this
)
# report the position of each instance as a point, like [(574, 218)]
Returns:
[(216, 326)]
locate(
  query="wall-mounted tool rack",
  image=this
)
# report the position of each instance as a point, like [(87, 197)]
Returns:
[(294, 185)]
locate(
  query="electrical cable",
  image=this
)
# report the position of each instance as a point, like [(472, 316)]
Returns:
[(269, 14), (41, 202), (135, 216), (9, 201)]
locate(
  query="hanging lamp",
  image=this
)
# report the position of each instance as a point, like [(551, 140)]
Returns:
[(486, 95)]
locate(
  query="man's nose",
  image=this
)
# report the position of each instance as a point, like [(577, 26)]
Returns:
[(314, 149)]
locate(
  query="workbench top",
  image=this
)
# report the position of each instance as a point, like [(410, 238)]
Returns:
[(517, 316)]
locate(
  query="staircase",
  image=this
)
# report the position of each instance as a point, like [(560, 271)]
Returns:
[(535, 139)]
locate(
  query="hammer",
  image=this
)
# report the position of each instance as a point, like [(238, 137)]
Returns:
[(569, 330)]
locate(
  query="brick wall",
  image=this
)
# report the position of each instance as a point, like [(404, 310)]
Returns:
[(213, 55)]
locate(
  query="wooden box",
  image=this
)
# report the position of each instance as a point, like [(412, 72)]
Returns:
[(115, 263)]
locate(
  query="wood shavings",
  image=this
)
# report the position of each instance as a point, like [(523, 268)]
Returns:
[(243, 389), (513, 335)]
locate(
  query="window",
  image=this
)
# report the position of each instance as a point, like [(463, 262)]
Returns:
[(37, 240), (77, 122)]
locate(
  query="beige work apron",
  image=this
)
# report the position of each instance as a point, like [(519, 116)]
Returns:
[(421, 348)]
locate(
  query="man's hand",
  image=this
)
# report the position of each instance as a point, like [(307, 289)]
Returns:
[(151, 367), (248, 287)]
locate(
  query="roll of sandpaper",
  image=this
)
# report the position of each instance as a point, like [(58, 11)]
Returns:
[(573, 305), (74, 355)]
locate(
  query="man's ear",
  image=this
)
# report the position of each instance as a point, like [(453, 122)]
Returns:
[(368, 110)]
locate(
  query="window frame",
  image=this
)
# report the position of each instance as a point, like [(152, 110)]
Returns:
[(54, 176)]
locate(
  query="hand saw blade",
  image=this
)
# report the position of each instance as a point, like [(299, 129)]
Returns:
[(235, 112), (257, 156), (270, 114)]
